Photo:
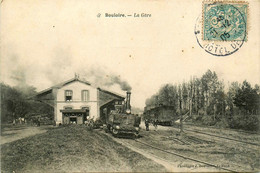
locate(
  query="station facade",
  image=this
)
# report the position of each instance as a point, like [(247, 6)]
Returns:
[(76, 100)]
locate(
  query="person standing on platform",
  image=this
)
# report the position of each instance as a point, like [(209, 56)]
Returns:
[(146, 124)]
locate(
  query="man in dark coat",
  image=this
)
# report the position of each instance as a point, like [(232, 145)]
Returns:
[(146, 124), (155, 124)]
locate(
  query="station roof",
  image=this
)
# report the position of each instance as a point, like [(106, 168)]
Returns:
[(49, 90)]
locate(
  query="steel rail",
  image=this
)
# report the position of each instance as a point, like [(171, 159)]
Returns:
[(223, 137), (232, 139), (186, 157), (218, 128)]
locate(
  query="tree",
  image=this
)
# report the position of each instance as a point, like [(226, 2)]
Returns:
[(220, 101), (210, 86), (15, 103), (206, 98), (11, 103), (191, 92), (247, 98), (231, 94), (168, 95), (198, 96), (152, 101), (184, 96)]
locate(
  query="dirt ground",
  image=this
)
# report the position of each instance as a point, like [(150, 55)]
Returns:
[(10, 133), (170, 162), (76, 149), (72, 149), (225, 153)]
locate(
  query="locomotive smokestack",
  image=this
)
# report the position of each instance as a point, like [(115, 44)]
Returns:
[(128, 106)]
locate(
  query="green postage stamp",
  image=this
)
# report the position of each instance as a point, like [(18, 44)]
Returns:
[(224, 20)]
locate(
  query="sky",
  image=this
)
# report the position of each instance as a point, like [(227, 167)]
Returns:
[(45, 42)]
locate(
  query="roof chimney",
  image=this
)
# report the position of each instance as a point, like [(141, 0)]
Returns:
[(76, 76)]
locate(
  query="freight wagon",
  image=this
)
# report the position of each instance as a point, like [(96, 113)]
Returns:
[(165, 115)]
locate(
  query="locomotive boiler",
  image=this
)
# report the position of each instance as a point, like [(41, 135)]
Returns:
[(121, 121)]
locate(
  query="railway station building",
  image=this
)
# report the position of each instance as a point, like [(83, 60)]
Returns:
[(76, 100)]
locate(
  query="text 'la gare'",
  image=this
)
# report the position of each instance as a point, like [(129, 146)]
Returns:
[(142, 15)]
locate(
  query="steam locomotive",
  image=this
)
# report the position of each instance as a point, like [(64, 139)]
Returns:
[(120, 121)]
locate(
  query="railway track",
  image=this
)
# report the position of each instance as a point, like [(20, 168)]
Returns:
[(223, 137), (234, 168), (186, 157), (239, 131)]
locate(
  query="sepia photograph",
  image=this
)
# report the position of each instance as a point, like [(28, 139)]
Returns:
[(129, 86)]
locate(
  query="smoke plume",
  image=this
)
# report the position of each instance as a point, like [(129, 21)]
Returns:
[(16, 72), (99, 78), (59, 67)]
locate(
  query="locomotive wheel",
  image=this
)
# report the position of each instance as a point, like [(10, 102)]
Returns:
[(135, 135), (114, 131)]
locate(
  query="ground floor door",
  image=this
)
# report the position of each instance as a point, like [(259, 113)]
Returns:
[(66, 119), (73, 118), (80, 120)]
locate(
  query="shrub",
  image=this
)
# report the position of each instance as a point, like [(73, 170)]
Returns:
[(208, 120), (210, 110), (223, 122), (245, 122)]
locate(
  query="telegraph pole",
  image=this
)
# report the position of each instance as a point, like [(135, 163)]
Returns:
[(181, 118)]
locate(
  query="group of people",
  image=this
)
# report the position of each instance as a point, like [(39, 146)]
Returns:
[(19, 120), (147, 122), (34, 121)]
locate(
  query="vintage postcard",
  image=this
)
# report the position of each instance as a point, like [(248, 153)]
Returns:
[(130, 85)]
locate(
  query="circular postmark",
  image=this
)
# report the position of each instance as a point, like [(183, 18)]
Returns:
[(223, 31)]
